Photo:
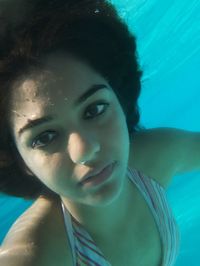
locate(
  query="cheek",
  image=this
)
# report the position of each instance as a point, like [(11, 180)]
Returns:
[(116, 133), (52, 171), (40, 164), (118, 126), (46, 167)]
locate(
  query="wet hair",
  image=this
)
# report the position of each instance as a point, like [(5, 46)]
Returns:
[(89, 30)]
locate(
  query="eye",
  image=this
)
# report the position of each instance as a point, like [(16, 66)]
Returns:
[(45, 138), (93, 107)]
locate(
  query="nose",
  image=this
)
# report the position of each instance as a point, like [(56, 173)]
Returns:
[(82, 148)]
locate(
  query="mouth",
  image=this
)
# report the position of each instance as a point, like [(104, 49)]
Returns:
[(100, 178)]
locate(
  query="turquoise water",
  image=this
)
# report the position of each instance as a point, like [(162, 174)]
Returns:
[(168, 36)]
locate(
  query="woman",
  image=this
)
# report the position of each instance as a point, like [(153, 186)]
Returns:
[(64, 60)]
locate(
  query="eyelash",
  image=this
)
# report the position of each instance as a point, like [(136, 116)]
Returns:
[(50, 131)]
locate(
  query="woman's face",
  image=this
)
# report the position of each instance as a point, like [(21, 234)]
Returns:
[(69, 129)]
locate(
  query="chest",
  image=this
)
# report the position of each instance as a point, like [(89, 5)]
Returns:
[(139, 245)]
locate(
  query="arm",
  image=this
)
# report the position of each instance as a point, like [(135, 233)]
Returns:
[(189, 148), (18, 256), (180, 146), (165, 152), (34, 240)]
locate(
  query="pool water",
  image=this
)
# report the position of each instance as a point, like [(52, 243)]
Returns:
[(168, 37)]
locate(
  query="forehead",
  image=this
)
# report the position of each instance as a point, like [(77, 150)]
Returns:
[(61, 82), (61, 75), (60, 72)]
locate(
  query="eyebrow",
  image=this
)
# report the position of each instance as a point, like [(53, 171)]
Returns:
[(38, 121)]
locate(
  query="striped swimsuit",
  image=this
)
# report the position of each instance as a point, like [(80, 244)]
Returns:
[(84, 250)]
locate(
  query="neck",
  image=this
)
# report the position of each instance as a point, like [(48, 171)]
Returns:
[(105, 220)]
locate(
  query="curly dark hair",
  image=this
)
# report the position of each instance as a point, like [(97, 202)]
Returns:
[(90, 30)]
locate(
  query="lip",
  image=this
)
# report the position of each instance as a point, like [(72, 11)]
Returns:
[(94, 172), (100, 177)]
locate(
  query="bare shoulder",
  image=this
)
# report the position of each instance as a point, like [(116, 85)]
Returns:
[(153, 153), (27, 226), (17, 256), (38, 237)]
